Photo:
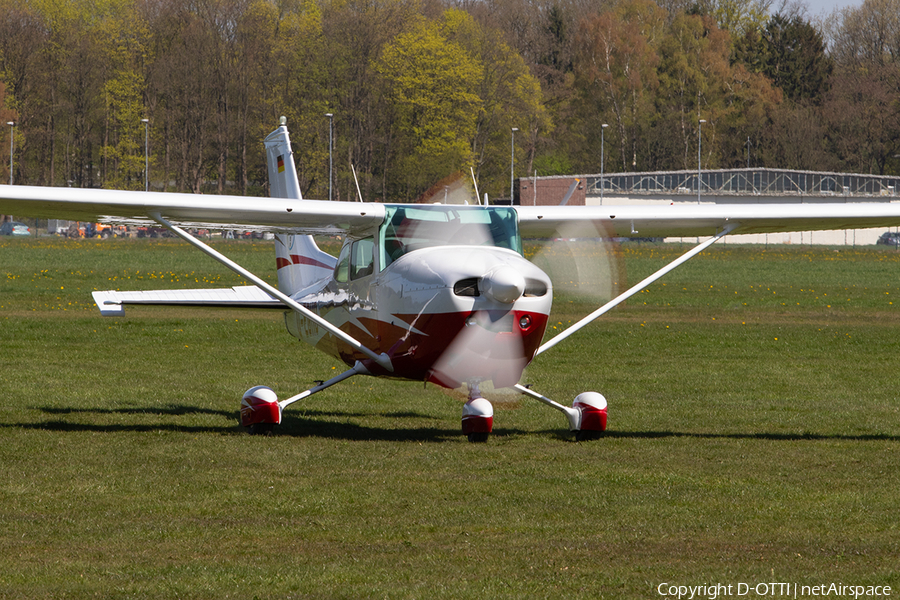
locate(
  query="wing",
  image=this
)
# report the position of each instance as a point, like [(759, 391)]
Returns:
[(281, 215), (322, 217), (708, 219)]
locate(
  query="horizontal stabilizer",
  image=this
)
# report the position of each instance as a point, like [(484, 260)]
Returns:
[(112, 304)]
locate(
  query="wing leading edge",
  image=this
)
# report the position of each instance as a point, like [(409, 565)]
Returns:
[(191, 210), (707, 219)]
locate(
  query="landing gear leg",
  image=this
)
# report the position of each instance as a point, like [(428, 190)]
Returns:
[(261, 410), (477, 417)]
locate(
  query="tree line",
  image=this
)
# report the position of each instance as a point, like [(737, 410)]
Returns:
[(420, 90)]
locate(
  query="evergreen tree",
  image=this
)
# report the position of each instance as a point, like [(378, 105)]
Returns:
[(795, 59)]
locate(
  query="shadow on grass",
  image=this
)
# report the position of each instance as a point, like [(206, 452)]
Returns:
[(322, 424), (353, 432), (336, 425), (170, 409), (67, 427), (775, 437)]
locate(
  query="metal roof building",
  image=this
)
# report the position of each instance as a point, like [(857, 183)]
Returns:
[(723, 186)]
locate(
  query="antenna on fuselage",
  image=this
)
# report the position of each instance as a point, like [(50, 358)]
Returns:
[(475, 183), (358, 193)]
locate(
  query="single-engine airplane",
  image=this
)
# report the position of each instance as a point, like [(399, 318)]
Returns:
[(422, 292)]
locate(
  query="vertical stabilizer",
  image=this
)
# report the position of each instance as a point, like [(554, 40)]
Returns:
[(300, 262), (283, 180)]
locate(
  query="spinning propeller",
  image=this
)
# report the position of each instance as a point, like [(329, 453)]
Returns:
[(583, 266)]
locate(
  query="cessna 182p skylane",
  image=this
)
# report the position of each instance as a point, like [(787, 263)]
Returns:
[(438, 293)]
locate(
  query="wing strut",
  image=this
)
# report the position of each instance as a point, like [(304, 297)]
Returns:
[(358, 369), (381, 359), (572, 414), (635, 289)]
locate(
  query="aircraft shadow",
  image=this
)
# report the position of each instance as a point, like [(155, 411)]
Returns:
[(775, 437), (308, 423), (169, 409), (322, 424), (316, 424), (67, 427)]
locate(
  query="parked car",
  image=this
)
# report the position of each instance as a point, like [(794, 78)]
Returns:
[(890, 238), (14, 228)]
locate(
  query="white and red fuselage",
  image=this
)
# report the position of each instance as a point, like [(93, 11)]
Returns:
[(443, 291)]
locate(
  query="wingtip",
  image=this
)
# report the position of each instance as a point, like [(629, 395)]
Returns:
[(108, 307)]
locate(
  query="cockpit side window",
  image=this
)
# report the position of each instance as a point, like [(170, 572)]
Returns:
[(362, 258), (356, 260), (342, 269)]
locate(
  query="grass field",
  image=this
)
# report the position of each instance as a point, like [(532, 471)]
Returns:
[(754, 437)]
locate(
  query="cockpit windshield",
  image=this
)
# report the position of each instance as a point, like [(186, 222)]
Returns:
[(408, 228)]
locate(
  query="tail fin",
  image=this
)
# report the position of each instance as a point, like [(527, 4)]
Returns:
[(282, 171), (300, 262)]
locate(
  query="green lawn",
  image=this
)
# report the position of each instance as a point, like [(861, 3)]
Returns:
[(754, 436)]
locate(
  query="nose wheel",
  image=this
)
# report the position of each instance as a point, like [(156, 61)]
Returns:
[(477, 417)]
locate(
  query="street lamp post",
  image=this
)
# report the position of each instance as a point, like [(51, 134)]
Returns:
[(12, 137), (602, 159), (146, 123), (330, 153), (699, 156), (512, 164)]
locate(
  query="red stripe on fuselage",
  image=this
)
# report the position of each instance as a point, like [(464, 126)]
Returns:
[(413, 355), (296, 259)]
